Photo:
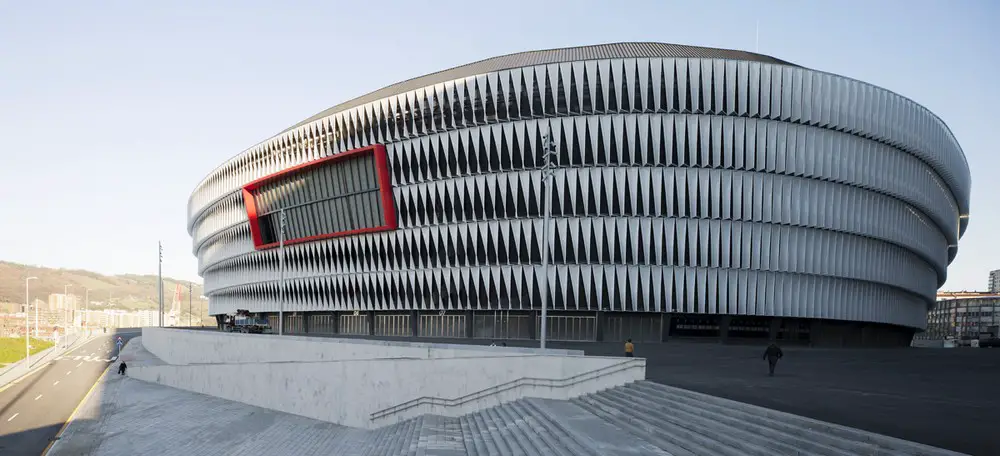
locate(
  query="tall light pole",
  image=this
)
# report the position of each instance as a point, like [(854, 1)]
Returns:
[(159, 281), (548, 169), (281, 273), (66, 312), (190, 299), (27, 328), (86, 308)]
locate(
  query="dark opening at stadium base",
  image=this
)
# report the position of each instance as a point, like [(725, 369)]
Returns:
[(593, 327)]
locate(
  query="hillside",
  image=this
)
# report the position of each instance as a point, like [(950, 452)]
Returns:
[(127, 291)]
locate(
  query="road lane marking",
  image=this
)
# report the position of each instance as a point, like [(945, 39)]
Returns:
[(39, 397), (69, 372), (12, 417), (72, 416), (81, 363), (56, 383)]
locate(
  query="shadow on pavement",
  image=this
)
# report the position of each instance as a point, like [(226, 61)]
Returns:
[(29, 442)]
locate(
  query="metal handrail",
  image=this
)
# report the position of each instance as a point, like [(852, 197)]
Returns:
[(523, 381)]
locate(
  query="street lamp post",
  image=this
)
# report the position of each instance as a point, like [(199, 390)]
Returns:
[(281, 274), (86, 308), (190, 300), (159, 281), (548, 169), (66, 313), (27, 327)]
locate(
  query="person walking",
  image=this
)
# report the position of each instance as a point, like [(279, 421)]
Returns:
[(629, 349), (122, 368), (772, 355)]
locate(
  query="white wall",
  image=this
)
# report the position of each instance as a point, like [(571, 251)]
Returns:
[(348, 392), (179, 346)]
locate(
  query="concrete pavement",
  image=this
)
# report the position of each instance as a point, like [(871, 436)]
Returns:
[(34, 408), (939, 397), (128, 417)]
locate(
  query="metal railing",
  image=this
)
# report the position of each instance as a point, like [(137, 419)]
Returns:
[(513, 384)]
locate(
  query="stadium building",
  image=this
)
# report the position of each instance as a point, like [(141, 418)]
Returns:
[(695, 192)]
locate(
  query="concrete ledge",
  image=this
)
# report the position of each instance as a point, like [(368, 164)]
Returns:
[(178, 346)]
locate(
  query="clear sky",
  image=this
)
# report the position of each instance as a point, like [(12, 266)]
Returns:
[(112, 111)]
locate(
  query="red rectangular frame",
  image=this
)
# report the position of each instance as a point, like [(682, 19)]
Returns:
[(385, 190)]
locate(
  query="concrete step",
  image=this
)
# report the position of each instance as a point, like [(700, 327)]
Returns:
[(594, 435), (379, 439), (732, 436), (754, 424), (518, 438), (652, 433), (828, 436), (438, 436), (516, 429), (483, 434), (474, 446), (398, 437), (643, 418), (652, 428), (544, 425), (527, 432)]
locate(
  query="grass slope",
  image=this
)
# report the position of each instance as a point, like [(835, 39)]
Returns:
[(12, 349)]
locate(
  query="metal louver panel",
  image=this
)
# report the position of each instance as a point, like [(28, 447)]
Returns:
[(716, 183)]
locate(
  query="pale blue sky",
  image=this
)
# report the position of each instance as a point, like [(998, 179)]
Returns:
[(111, 112)]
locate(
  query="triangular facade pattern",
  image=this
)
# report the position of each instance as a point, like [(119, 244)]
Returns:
[(682, 185)]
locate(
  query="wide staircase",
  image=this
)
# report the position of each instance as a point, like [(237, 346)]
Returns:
[(642, 418)]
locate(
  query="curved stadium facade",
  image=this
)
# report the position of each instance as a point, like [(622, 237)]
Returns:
[(696, 192)]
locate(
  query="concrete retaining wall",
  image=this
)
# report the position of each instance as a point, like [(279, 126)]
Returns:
[(178, 346), (344, 381), (348, 392)]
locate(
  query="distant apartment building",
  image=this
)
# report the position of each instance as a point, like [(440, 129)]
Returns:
[(58, 301), (148, 318), (112, 318), (994, 285)]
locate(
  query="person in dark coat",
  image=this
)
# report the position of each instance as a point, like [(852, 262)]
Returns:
[(772, 355), (121, 368)]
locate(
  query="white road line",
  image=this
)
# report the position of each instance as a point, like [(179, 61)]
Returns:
[(69, 372), (56, 383), (81, 363), (12, 417), (39, 397)]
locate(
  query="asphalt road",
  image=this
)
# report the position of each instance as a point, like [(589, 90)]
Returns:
[(34, 409)]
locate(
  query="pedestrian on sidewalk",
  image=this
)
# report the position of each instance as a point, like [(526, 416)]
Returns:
[(629, 349), (122, 367), (772, 355)]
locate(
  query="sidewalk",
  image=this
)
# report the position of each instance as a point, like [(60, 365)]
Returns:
[(123, 416)]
